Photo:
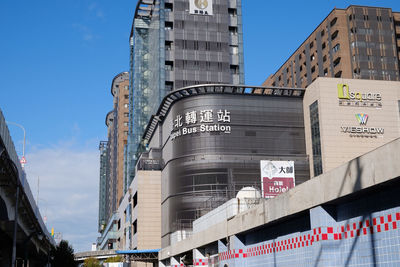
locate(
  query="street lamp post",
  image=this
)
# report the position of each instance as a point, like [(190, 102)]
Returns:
[(23, 147)]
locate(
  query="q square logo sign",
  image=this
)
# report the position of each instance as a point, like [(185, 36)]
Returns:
[(200, 7)]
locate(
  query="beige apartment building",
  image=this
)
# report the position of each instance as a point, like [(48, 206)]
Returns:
[(345, 118), (358, 42)]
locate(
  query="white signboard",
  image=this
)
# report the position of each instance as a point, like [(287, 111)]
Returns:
[(200, 7), (276, 177)]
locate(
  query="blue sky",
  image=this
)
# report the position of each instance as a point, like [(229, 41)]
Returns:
[(57, 61)]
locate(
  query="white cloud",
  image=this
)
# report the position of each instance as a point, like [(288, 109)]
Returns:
[(68, 195)]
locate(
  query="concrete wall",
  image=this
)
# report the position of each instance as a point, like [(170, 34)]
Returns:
[(149, 209), (146, 212)]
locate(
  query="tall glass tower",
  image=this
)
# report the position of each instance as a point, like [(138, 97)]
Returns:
[(178, 43)]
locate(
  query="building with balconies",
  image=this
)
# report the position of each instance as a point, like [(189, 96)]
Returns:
[(358, 42)]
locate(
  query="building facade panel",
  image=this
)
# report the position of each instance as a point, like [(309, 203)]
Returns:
[(351, 126)]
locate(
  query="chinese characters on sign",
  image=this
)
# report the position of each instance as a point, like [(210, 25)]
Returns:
[(200, 7), (201, 121), (276, 177)]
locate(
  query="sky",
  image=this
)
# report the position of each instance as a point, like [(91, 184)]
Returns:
[(57, 61)]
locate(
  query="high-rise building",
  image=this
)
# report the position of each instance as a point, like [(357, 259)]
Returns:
[(178, 43), (104, 173), (112, 184), (358, 42)]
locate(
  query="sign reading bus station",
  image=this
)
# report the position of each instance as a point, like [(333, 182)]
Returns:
[(276, 177), (202, 121)]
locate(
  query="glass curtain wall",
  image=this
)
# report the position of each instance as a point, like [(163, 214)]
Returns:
[(147, 77)]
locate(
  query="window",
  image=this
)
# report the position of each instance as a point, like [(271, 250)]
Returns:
[(336, 48), (168, 45), (134, 226), (169, 7), (324, 59), (169, 65), (233, 30), (126, 133), (169, 25), (312, 57), (338, 74), (313, 69), (126, 87), (126, 105), (333, 22), (126, 96), (325, 72), (232, 12), (311, 45), (336, 62), (301, 67), (323, 45), (234, 69), (322, 33), (315, 139), (126, 114), (126, 123), (134, 200), (334, 35)]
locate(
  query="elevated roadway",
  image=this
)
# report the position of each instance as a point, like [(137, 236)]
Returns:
[(23, 233)]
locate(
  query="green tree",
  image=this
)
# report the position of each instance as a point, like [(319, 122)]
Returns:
[(92, 262), (63, 255), (114, 259)]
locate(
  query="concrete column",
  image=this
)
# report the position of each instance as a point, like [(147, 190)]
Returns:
[(199, 257), (175, 261), (321, 217), (238, 248), (326, 249)]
